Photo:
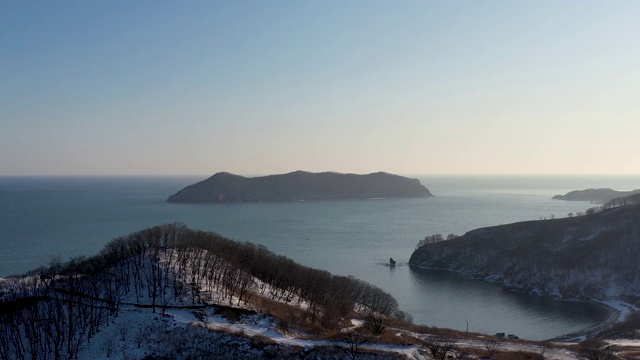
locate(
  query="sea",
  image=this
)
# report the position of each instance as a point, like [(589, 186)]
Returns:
[(43, 219)]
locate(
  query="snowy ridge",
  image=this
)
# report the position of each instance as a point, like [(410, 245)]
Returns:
[(167, 290)]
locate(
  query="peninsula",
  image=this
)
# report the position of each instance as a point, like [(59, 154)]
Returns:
[(299, 186), (594, 256), (595, 195)]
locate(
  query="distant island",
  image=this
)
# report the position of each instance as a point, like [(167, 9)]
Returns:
[(225, 187), (595, 195)]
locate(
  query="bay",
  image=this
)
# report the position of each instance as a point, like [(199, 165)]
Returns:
[(45, 217)]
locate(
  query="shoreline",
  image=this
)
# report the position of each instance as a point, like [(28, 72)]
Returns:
[(581, 335), (615, 314)]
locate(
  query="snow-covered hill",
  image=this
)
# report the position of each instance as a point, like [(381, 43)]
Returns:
[(171, 292)]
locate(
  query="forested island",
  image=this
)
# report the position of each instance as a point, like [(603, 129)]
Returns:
[(591, 257), (299, 186)]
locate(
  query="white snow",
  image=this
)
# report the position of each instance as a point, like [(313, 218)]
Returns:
[(139, 332), (625, 342), (136, 333)]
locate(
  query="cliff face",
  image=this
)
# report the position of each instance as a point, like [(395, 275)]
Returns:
[(298, 186), (594, 256)]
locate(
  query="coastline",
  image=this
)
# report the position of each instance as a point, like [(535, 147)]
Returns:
[(581, 335), (617, 311), (98, 216)]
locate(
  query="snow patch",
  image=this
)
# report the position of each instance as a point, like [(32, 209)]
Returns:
[(624, 342)]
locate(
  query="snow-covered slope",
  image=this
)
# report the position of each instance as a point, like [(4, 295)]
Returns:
[(171, 292), (587, 257)]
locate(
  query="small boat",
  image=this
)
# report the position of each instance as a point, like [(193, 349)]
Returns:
[(392, 262)]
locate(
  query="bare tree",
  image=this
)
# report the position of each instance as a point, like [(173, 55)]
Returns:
[(351, 342), (376, 323), (491, 347), (437, 348)]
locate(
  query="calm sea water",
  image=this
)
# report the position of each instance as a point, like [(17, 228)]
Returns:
[(45, 217)]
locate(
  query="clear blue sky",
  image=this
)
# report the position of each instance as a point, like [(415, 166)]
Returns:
[(257, 87)]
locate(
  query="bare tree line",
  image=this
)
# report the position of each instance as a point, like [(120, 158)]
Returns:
[(52, 311), (633, 199), (435, 238)]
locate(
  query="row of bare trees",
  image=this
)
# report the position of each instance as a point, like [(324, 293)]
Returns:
[(51, 312), (633, 199), (435, 238), (278, 276)]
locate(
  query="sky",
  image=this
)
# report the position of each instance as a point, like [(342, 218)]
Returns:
[(263, 87)]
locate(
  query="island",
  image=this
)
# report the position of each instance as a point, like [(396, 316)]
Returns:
[(225, 187), (595, 195)]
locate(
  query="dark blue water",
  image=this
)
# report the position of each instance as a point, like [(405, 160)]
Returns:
[(46, 217)]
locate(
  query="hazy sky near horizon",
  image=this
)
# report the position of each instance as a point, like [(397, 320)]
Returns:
[(259, 87)]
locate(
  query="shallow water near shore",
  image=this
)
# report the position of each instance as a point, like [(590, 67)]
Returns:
[(45, 217)]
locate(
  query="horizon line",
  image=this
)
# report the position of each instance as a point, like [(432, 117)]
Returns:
[(280, 173)]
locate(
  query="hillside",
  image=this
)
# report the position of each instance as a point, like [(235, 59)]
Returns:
[(595, 195), (594, 256), (299, 186), (165, 285), (169, 292)]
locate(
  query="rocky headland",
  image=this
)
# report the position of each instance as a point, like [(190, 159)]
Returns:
[(590, 257)]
